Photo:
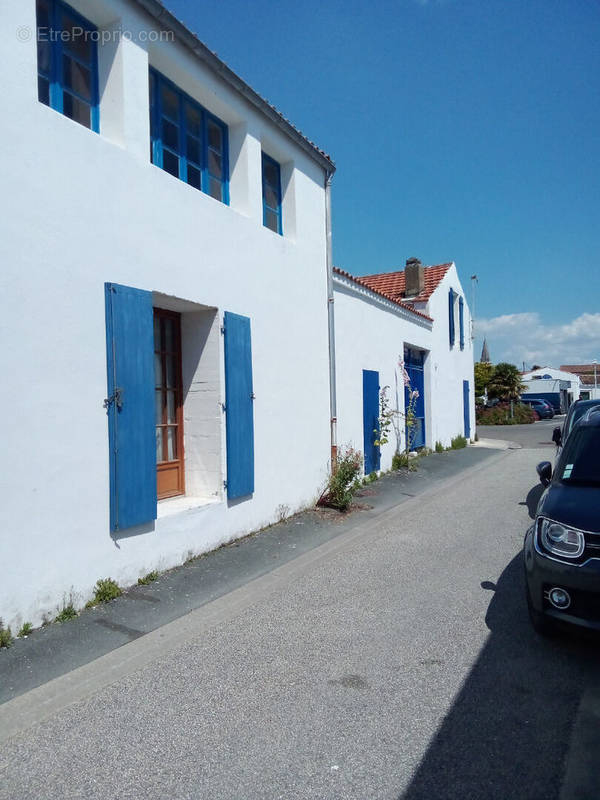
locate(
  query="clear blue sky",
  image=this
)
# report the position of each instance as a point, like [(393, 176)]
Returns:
[(465, 130)]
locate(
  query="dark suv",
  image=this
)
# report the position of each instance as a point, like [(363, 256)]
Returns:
[(576, 412), (543, 409), (562, 547)]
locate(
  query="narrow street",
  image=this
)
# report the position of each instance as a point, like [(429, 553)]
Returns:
[(395, 661)]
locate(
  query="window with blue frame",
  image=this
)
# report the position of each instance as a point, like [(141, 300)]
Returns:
[(186, 140), (67, 63), (271, 186)]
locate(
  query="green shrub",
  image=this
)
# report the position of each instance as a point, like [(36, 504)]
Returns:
[(372, 477), (6, 638), (105, 590), (500, 415), (403, 461), (458, 442), (340, 487), (439, 447), (149, 578), (26, 629), (68, 612)]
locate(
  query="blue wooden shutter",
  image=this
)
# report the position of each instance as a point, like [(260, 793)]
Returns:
[(239, 406), (130, 406), (451, 316), (371, 420), (461, 320), (466, 409)]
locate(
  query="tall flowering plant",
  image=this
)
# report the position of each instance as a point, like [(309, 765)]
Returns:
[(410, 409)]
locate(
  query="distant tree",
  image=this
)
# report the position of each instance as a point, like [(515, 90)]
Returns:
[(535, 366), (484, 372), (506, 383)]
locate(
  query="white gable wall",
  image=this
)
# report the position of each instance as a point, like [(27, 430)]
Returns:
[(82, 209), (450, 366), (370, 334)]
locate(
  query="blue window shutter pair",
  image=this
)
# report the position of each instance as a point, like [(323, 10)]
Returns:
[(451, 317), (239, 406), (461, 320), (130, 406)]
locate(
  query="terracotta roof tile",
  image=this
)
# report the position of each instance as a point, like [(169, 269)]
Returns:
[(390, 297), (394, 283), (584, 371)]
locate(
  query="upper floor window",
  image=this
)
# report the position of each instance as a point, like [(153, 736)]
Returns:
[(67, 63), (187, 141), (271, 187)]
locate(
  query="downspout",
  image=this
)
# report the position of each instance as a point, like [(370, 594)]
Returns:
[(331, 323)]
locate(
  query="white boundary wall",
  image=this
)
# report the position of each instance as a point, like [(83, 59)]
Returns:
[(81, 209)]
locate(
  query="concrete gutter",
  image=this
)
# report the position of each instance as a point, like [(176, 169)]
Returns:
[(185, 37)]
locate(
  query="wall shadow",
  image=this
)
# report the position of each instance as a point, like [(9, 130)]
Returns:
[(507, 734)]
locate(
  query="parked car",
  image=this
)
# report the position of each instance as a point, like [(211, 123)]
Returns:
[(575, 413), (562, 547), (542, 407)]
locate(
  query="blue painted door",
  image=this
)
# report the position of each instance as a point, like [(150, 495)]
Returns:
[(130, 406), (467, 409), (414, 364), (371, 420), (239, 408)]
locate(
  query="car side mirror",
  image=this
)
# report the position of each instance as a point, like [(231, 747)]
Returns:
[(544, 470), (557, 436)]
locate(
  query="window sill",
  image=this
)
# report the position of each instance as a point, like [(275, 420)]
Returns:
[(177, 505)]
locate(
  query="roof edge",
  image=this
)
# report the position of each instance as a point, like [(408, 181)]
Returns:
[(390, 298), (157, 10)]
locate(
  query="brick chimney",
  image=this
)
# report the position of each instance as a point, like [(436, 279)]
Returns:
[(415, 277)]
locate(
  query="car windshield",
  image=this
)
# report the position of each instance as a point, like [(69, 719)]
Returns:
[(578, 413), (580, 461)]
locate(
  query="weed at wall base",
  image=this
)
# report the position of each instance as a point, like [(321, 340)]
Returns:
[(105, 590), (6, 638), (149, 578)]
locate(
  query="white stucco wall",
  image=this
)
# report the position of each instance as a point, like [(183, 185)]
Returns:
[(81, 209), (371, 333), (450, 366)]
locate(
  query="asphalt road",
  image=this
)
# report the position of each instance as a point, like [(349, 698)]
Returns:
[(396, 662), (536, 435)]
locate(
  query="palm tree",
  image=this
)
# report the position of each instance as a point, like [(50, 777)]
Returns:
[(506, 383)]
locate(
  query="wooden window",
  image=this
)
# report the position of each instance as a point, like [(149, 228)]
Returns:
[(67, 63), (271, 185), (168, 399), (186, 140)]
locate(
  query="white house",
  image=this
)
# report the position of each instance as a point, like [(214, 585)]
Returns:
[(555, 385), (164, 278), (418, 316)]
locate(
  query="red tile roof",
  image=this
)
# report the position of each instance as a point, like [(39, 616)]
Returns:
[(394, 283), (391, 298), (585, 372)]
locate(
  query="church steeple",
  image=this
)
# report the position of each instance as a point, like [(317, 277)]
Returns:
[(485, 353)]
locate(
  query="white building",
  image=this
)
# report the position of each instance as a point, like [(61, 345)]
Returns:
[(555, 385), (186, 299), (418, 316)]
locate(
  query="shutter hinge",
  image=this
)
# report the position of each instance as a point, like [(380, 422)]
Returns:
[(223, 407), (116, 398), (224, 484), (223, 327)]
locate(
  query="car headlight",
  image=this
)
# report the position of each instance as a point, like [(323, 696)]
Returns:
[(560, 540)]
